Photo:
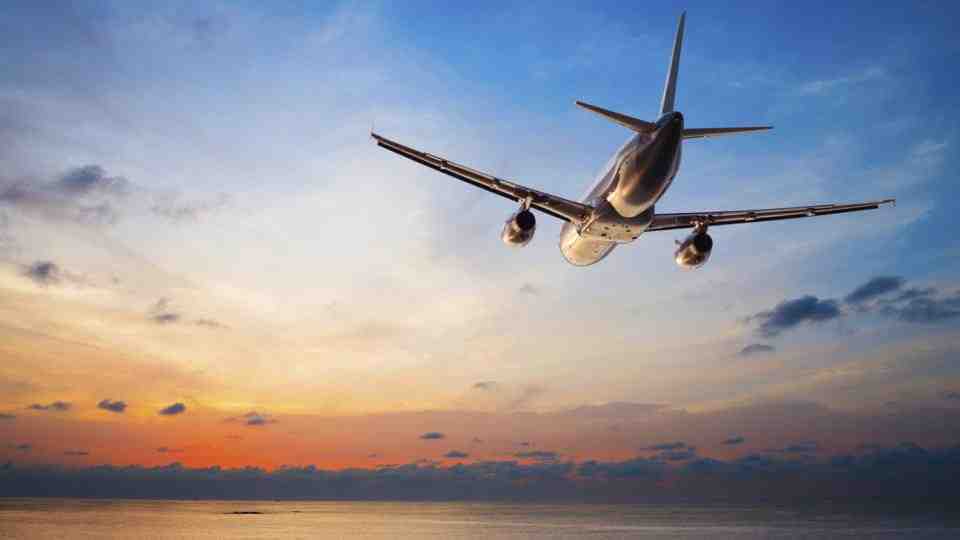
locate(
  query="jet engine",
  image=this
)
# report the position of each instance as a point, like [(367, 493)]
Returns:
[(694, 251), (519, 229)]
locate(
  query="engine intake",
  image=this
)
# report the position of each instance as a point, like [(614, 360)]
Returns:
[(694, 251), (519, 229)]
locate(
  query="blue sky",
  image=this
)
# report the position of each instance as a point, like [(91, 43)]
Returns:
[(190, 203)]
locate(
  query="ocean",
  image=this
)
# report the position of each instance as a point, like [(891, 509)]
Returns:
[(149, 519)]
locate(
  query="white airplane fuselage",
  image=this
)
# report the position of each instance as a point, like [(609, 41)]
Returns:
[(626, 192)]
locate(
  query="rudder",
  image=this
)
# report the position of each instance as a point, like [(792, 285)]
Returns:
[(670, 86)]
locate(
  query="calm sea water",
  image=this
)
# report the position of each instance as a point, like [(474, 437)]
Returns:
[(72, 518)]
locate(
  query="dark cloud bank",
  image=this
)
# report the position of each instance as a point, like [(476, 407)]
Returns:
[(906, 476), (887, 296)]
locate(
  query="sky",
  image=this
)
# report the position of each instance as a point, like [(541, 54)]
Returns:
[(205, 261)]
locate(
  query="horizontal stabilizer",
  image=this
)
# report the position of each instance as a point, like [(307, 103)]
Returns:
[(703, 133), (640, 126)]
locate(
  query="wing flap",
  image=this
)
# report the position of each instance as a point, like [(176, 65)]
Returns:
[(553, 205), (666, 222)]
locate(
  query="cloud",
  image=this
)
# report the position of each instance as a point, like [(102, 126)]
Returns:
[(432, 435), (7, 416), (907, 476), (170, 207), (756, 349), (485, 385), (806, 447), (254, 419), (43, 272), (874, 288), (89, 195), (950, 394), (76, 453), (677, 455), (639, 469), (112, 406), (91, 179), (792, 313), (456, 454), (58, 406), (883, 295), (923, 306), (538, 455), (666, 446), (164, 318), (22, 447), (83, 195), (161, 312), (168, 450), (802, 448), (528, 394), (176, 408), (530, 289), (827, 86), (209, 323), (733, 441)]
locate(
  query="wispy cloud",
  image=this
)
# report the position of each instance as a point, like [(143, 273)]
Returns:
[(254, 419), (755, 349), (826, 86), (58, 406), (874, 288)]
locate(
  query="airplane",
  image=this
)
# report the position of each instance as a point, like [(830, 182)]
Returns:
[(620, 206)]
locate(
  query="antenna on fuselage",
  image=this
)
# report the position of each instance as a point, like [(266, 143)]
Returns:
[(670, 86)]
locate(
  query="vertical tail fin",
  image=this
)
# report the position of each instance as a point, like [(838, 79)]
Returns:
[(670, 86)]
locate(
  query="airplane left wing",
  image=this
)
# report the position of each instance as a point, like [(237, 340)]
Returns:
[(666, 222), (557, 207)]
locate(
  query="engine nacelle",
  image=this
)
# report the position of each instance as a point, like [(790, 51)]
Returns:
[(694, 251), (519, 229)]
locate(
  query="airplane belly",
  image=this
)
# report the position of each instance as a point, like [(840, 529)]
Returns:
[(580, 250)]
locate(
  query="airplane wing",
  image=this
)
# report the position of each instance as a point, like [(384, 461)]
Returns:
[(706, 133), (558, 207), (666, 222)]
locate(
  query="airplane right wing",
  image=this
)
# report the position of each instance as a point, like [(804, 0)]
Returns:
[(666, 222)]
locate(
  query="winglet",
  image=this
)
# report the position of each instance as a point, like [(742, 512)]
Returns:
[(670, 86), (640, 126)]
